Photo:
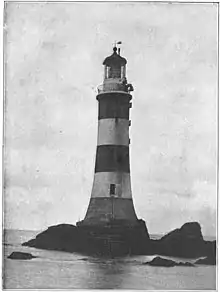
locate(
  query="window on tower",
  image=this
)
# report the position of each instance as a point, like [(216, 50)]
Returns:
[(122, 71), (107, 72), (113, 72)]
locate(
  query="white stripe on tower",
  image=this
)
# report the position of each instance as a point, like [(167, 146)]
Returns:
[(102, 181), (113, 132)]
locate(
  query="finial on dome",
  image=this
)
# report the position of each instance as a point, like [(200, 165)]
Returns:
[(115, 49)]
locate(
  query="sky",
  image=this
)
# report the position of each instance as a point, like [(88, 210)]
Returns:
[(53, 65)]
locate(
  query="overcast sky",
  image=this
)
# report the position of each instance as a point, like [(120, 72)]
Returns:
[(54, 54)]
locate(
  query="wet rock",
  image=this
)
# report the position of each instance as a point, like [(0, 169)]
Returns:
[(185, 264), (161, 262), (210, 249), (186, 242), (206, 261), (84, 259), (16, 255), (62, 237)]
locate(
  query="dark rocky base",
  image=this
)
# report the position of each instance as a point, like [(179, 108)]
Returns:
[(185, 242), (119, 239), (207, 261), (17, 255), (115, 239)]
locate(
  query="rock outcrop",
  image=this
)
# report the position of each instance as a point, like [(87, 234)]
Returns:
[(102, 240), (17, 255), (161, 262), (63, 237), (185, 242)]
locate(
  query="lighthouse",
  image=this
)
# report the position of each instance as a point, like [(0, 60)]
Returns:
[(111, 210)]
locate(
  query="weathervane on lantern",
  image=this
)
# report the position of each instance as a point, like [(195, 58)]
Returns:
[(115, 46)]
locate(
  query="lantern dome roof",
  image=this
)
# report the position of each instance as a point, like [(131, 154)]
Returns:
[(115, 59)]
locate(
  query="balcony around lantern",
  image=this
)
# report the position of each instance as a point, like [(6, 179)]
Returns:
[(114, 86)]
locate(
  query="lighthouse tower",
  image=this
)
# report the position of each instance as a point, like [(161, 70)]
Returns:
[(111, 215), (111, 197)]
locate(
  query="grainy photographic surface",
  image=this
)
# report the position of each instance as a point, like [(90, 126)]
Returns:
[(110, 136)]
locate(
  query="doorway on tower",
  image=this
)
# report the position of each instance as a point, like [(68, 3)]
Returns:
[(115, 190), (112, 190)]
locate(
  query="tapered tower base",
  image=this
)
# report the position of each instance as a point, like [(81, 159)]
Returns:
[(103, 210)]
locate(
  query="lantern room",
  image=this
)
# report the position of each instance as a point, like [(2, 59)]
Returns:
[(115, 74), (115, 65)]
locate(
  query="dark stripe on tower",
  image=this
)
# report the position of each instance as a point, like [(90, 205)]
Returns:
[(112, 158), (114, 105)]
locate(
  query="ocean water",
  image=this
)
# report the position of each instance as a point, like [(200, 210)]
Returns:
[(60, 270)]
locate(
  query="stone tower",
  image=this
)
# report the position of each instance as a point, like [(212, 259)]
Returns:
[(111, 197), (111, 213)]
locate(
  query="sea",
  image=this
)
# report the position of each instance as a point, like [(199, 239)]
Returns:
[(62, 270)]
